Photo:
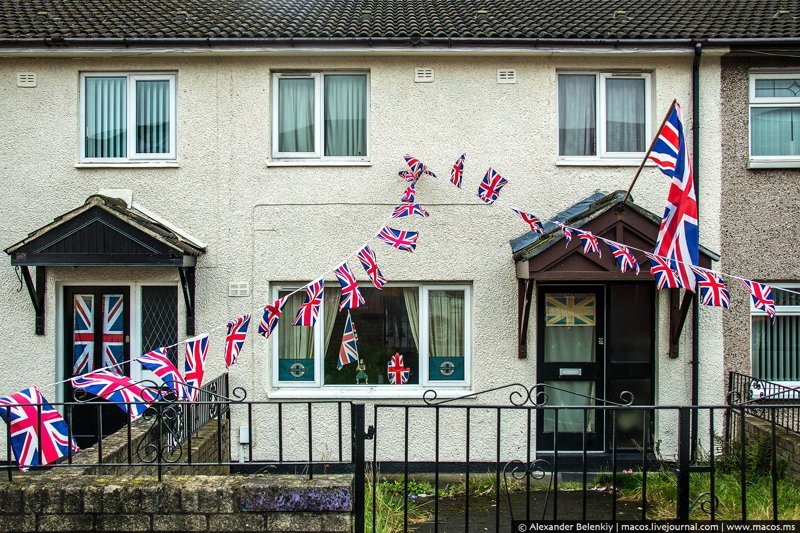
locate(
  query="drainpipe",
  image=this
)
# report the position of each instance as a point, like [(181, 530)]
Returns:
[(698, 47)]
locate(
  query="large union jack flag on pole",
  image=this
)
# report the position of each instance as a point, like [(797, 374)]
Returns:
[(666, 278), (348, 351), (83, 334), (590, 243), (158, 363), (351, 295), (457, 173), (113, 331), (490, 186), (195, 365), (531, 220), (309, 309), (401, 239), (234, 340), (370, 264), (762, 297), (28, 426), (624, 257), (397, 371), (712, 289), (407, 210), (121, 390), (678, 236), (269, 320)]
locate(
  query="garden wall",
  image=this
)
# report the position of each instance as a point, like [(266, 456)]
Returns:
[(788, 444)]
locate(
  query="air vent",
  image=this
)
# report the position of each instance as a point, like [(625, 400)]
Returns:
[(423, 75), (26, 79), (506, 75), (239, 289)]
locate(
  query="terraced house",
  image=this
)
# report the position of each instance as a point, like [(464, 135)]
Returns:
[(183, 162)]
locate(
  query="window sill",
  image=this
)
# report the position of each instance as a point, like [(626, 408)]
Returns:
[(316, 163), (132, 164), (773, 163), (363, 392), (601, 162)]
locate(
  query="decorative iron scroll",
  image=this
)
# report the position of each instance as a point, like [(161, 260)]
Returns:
[(520, 396), (536, 470)]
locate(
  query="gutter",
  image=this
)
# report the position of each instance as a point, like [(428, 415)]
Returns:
[(695, 363)]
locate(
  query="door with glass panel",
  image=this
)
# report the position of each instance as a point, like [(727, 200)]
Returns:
[(570, 366), (96, 335)]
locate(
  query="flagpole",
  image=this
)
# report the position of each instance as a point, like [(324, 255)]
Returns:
[(647, 154)]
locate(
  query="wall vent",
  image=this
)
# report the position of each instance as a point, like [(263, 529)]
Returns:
[(506, 75), (423, 75), (26, 79), (239, 288)]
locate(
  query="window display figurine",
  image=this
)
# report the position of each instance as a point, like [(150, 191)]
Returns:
[(362, 373)]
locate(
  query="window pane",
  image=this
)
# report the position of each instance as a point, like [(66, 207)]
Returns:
[(630, 308), (83, 334), (153, 116), (346, 115), (113, 332), (569, 331), (576, 114), (387, 324), (296, 115), (106, 117), (625, 115), (776, 348), (775, 131), (295, 344), (446, 335), (160, 319), (785, 88)]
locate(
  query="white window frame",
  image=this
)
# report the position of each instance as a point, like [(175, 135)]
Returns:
[(318, 155), (767, 161), (780, 310), (603, 156), (132, 156), (302, 389)]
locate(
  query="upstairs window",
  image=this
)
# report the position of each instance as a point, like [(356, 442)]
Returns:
[(320, 116), (127, 117), (603, 115), (775, 117)]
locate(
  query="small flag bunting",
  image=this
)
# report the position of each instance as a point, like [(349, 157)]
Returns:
[(401, 239), (590, 243), (666, 278), (309, 309), (762, 297), (417, 167), (194, 367), (531, 220), (409, 195), (457, 173), (407, 210), (120, 390), (408, 176), (490, 186), (234, 340), (713, 292), (348, 351), (269, 319), (157, 362), (624, 257), (397, 371), (351, 295), (370, 264), (567, 233)]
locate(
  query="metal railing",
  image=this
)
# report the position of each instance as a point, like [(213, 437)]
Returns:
[(756, 393)]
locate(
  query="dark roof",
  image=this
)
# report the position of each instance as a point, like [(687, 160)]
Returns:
[(399, 19)]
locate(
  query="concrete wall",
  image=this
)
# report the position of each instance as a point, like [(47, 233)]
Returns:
[(270, 224)]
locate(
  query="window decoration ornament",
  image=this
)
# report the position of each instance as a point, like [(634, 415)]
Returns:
[(348, 351), (397, 371)]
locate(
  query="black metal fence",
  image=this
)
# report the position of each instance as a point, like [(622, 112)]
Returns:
[(757, 393)]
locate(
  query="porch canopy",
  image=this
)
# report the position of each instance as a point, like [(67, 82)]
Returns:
[(107, 232), (544, 257)]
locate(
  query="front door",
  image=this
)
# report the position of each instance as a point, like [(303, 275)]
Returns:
[(96, 335)]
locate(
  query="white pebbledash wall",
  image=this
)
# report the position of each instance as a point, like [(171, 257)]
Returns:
[(267, 224)]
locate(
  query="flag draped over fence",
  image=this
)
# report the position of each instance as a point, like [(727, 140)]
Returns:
[(157, 362), (120, 390)]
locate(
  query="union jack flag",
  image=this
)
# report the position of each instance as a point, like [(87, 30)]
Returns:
[(309, 309), (567, 233), (678, 237), (490, 186), (590, 243), (234, 340), (351, 296), (27, 427), (407, 210), (272, 312), (457, 174), (712, 289), (113, 324), (401, 239), (762, 297), (397, 371), (409, 195), (195, 365), (348, 351), (532, 220), (83, 334), (624, 257), (370, 264), (666, 278), (408, 176), (157, 362), (418, 167), (120, 390)]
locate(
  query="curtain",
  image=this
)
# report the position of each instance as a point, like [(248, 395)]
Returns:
[(625, 115), (296, 115), (446, 310), (331, 307), (775, 131), (106, 117), (152, 117), (569, 420), (775, 348), (576, 114), (411, 297), (294, 342), (346, 115)]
